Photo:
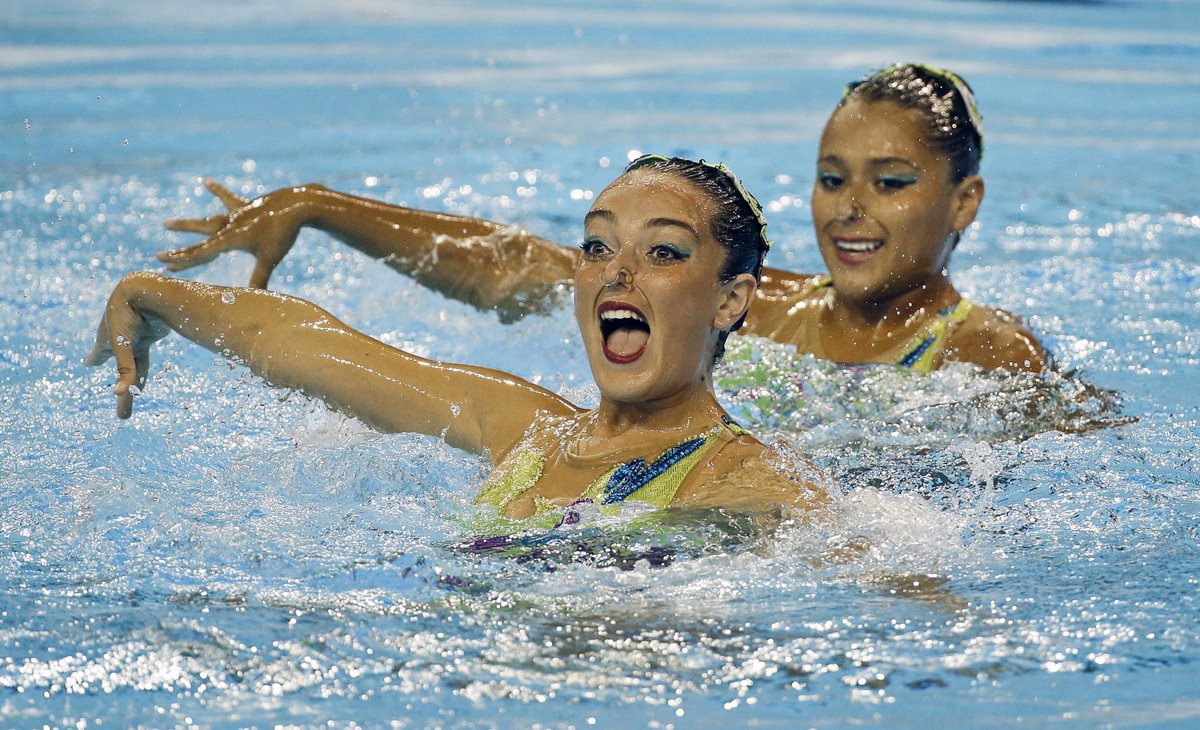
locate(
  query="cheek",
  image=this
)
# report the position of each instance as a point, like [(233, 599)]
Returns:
[(583, 293), (901, 214), (820, 204)]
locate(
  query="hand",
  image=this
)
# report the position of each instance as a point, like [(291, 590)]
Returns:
[(266, 227), (126, 334)]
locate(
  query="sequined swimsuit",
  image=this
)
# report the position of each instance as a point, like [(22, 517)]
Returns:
[(655, 483)]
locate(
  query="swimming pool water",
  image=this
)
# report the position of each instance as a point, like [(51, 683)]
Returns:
[(237, 556)]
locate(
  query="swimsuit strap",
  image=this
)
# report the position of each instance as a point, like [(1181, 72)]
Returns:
[(518, 473), (656, 483), (921, 350)]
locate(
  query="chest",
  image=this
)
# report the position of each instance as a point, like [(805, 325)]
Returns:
[(558, 483), (540, 476)]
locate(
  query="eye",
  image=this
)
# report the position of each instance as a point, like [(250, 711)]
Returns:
[(829, 180), (594, 249), (665, 253), (894, 182)]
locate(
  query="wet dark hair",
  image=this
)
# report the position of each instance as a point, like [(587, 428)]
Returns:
[(944, 98), (737, 223)]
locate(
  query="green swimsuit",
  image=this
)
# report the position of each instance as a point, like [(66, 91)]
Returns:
[(655, 483)]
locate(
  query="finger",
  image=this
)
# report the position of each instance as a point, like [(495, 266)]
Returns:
[(124, 405), (127, 373), (98, 356), (225, 195), (209, 225), (201, 253), (100, 352), (141, 360)]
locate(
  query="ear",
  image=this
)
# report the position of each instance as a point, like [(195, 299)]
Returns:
[(968, 196), (736, 296)]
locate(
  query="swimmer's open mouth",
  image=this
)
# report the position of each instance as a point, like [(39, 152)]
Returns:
[(625, 331)]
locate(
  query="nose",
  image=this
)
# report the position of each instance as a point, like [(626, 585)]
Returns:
[(620, 268), (847, 207)]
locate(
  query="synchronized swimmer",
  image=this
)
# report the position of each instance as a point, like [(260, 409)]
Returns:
[(669, 266)]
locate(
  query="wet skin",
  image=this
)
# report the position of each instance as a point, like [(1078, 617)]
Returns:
[(650, 332), (886, 207)]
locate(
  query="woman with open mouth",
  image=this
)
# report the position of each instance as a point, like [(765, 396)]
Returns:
[(668, 268), (897, 182)]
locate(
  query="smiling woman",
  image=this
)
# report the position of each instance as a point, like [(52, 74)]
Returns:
[(659, 286), (897, 182)]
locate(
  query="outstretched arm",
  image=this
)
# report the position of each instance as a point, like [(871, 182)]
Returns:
[(295, 344), (479, 262)]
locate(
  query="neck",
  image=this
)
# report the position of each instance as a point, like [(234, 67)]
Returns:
[(690, 410), (856, 330), (897, 310)]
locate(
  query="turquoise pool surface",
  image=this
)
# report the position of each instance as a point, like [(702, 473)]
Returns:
[(238, 556)]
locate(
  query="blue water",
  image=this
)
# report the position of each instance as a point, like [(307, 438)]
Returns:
[(237, 556)]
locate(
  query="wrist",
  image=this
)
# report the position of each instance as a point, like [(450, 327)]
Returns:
[(142, 289), (305, 204)]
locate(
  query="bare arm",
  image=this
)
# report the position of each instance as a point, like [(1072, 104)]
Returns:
[(476, 261), (295, 344)]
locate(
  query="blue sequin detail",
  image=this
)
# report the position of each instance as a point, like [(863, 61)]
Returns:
[(915, 354), (634, 474)]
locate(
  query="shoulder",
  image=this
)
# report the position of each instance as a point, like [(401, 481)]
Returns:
[(778, 284), (544, 433), (781, 308), (745, 475), (995, 339)]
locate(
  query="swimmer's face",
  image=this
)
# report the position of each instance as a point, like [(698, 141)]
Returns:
[(885, 205), (650, 334)]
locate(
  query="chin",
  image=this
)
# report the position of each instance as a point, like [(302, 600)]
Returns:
[(636, 387), (852, 284), (627, 386)]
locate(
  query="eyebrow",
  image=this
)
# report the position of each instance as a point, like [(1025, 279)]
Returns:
[(660, 222), (876, 161), (674, 223), (594, 213)]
